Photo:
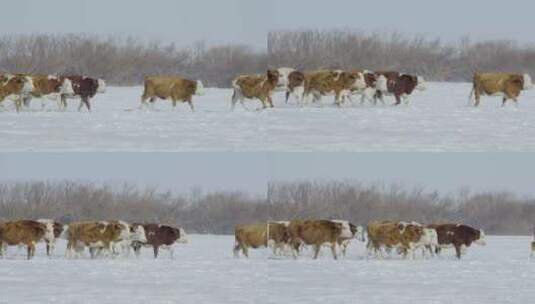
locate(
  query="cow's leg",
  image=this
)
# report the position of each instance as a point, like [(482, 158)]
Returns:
[(236, 250), (48, 249), (398, 99), (92, 251), (30, 249), (1, 250), (235, 99), (504, 102), (155, 248), (171, 252), (63, 102), (333, 251), (85, 101), (270, 101), (477, 96), (458, 251), (317, 249), (174, 101), (190, 102)]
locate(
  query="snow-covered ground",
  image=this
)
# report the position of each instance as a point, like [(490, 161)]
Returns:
[(204, 271), (437, 120)]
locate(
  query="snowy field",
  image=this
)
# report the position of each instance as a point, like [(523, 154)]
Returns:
[(204, 271), (438, 119)]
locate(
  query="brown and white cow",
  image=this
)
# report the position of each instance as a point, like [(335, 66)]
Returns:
[(332, 82), (405, 237), (160, 236), (24, 232), (49, 86), (317, 233), (97, 236), (296, 86), (356, 232), (373, 83), (256, 236), (507, 85), (175, 88), (57, 231), (16, 88), (458, 236), (401, 86), (255, 87), (85, 88)]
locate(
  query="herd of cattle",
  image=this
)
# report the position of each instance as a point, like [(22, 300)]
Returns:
[(303, 86), (404, 238), (115, 238), (103, 238)]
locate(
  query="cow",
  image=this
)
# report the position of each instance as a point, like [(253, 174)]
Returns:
[(374, 83), (255, 87), (406, 237), (337, 82), (284, 79), (163, 236), (50, 86), (95, 235), (85, 88), (130, 234), (259, 236), (296, 86), (507, 85), (175, 88), (357, 232), (317, 233), (459, 236), (24, 232), (401, 86), (57, 231), (16, 88)]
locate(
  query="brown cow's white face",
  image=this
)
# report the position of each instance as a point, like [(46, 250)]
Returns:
[(528, 84), (482, 241)]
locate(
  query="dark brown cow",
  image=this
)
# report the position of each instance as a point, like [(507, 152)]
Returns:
[(160, 236), (27, 233), (459, 236), (85, 88), (401, 86)]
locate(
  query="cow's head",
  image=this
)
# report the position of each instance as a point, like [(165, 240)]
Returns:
[(101, 88), (360, 81), (420, 83), (66, 87), (21, 83), (199, 89), (183, 237), (429, 237), (137, 234), (284, 77), (528, 84), (381, 83), (481, 238), (49, 231), (360, 235), (273, 77)]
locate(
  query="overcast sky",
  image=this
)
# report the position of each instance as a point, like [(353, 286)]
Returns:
[(248, 21), (180, 172)]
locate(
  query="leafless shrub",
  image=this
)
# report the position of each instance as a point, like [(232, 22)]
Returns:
[(125, 60), (434, 59)]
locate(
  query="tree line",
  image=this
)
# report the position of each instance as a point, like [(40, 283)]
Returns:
[(218, 212), (124, 60)]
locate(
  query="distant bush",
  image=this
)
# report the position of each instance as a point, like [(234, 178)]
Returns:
[(219, 212), (432, 58), (126, 61)]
